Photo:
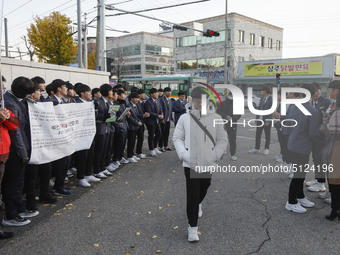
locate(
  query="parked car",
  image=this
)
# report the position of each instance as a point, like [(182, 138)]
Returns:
[(256, 101)]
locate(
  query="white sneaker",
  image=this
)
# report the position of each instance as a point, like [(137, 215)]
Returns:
[(107, 172), (295, 208), (157, 151), (305, 202), (317, 187), (69, 174), (84, 183), (29, 214), (192, 234), (136, 158), (324, 195), (132, 160), (100, 175), (17, 222), (123, 161), (233, 158), (278, 157), (153, 153), (279, 160), (311, 183), (111, 167), (200, 212), (266, 152), (91, 178), (328, 200), (117, 162), (253, 151), (142, 156)]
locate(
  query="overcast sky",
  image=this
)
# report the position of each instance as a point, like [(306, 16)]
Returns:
[(311, 27)]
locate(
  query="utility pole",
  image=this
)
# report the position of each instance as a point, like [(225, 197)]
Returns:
[(79, 35), (1, 88), (103, 36), (226, 44), (6, 37), (85, 42), (98, 38)]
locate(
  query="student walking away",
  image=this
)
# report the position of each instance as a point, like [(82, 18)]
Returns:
[(265, 104), (41, 85), (199, 144), (165, 123), (226, 112), (134, 123), (332, 131), (119, 141), (142, 116), (84, 175), (12, 185), (179, 105), (152, 123), (300, 146), (321, 104), (59, 167), (102, 132), (8, 121)]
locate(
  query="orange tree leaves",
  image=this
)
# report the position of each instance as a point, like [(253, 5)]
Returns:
[(52, 40)]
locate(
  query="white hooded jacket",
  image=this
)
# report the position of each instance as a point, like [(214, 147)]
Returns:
[(192, 144)]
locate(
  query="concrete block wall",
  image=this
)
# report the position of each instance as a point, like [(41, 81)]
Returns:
[(13, 68)]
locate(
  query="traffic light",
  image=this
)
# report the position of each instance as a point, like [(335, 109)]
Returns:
[(210, 33), (278, 78)]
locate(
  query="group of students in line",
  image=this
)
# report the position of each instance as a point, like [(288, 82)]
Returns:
[(105, 155)]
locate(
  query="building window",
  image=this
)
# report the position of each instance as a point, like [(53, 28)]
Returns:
[(131, 69), (252, 39), (159, 69), (126, 51), (229, 34), (270, 43), (278, 45), (186, 64), (211, 62), (194, 40), (241, 36), (261, 41), (158, 50), (240, 59)]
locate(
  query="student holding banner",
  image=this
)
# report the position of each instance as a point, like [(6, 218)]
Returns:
[(81, 157)]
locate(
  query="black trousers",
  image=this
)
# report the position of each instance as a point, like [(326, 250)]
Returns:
[(110, 150), (296, 184), (131, 142), (165, 131), (59, 170), (90, 159), (80, 158), (101, 142), (44, 172), (119, 144), (259, 134), (31, 176), (316, 155), (197, 186), (335, 195), (140, 139), (232, 133), (154, 133), (12, 186)]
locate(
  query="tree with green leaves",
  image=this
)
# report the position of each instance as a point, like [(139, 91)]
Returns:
[(51, 38)]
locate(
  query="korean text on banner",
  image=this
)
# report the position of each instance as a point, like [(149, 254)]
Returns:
[(58, 131), (291, 68)]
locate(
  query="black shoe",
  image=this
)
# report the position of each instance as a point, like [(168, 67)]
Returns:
[(162, 150), (67, 188), (49, 199), (168, 149), (333, 215), (5, 235), (62, 192)]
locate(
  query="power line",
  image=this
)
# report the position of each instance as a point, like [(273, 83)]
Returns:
[(17, 8)]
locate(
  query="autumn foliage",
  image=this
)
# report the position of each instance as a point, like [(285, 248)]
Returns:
[(52, 40)]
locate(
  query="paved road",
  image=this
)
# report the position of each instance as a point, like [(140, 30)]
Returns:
[(141, 210)]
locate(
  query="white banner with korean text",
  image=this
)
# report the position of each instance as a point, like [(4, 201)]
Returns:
[(59, 131)]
